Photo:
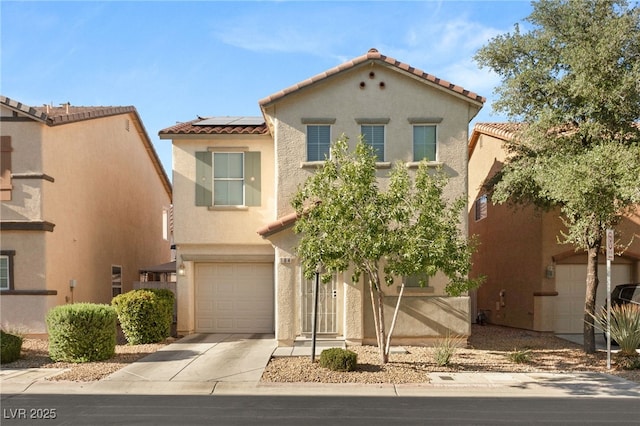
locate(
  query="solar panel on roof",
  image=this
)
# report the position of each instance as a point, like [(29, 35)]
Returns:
[(230, 121)]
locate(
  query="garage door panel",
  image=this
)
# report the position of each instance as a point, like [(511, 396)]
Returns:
[(571, 288), (239, 298)]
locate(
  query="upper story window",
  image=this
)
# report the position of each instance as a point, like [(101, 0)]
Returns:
[(374, 136), (481, 208), (228, 179), (424, 143), (318, 142), (5, 168), (6, 269), (116, 280)]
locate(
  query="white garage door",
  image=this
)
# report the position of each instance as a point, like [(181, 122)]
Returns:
[(234, 298), (571, 287)]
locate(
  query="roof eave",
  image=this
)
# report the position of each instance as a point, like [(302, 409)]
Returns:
[(278, 225), (373, 56), (21, 108)]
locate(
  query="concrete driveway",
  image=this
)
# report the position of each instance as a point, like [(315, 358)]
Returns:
[(203, 358)]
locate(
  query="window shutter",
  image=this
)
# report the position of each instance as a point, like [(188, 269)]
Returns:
[(5, 168), (203, 179), (252, 179)]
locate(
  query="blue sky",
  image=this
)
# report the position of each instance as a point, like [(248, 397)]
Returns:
[(174, 60)]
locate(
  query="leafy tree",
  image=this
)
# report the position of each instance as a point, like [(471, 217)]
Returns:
[(346, 223), (573, 81)]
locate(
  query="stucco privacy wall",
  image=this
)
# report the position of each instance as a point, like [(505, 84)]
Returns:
[(424, 320), (106, 202), (216, 234)]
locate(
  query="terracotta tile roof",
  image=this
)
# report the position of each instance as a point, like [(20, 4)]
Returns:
[(278, 225), (504, 131), (499, 130), (25, 109), (374, 55), (195, 127), (65, 114), (71, 113)]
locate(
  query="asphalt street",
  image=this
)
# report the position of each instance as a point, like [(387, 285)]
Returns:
[(28, 409)]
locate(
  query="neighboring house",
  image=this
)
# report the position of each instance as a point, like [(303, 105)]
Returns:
[(533, 282), (234, 176), (83, 195)]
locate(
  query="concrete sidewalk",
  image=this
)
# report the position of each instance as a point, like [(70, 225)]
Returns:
[(232, 364)]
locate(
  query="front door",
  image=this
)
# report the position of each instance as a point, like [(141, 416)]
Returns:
[(326, 311)]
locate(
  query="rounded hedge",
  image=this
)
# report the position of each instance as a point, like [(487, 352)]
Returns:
[(145, 315), (81, 332), (10, 346), (338, 359)]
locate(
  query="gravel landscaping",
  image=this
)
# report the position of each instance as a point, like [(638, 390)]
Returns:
[(35, 354), (488, 349)]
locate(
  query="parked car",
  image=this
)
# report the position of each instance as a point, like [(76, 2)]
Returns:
[(623, 294)]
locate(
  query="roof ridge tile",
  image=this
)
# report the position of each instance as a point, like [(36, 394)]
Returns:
[(372, 55)]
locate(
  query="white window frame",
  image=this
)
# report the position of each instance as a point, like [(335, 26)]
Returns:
[(435, 142), (227, 179), (328, 142), (380, 155)]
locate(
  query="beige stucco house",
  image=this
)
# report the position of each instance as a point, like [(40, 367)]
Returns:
[(83, 194), (234, 178), (532, 281)]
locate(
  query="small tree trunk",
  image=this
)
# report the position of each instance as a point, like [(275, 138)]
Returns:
[(393, 321), (590, 299), (384, 356), (375, 312)]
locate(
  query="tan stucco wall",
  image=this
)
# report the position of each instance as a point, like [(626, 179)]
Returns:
[(509, 251), (287, 297), (202, 225), (205, 234), (518, 245), (341, 98), (422, 319), (106, 203)]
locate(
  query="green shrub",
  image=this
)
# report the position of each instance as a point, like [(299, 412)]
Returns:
[(445, 349), (625, 326), (338, 359), (81, 332), (10, 345), (145, 315), (521, 356)]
